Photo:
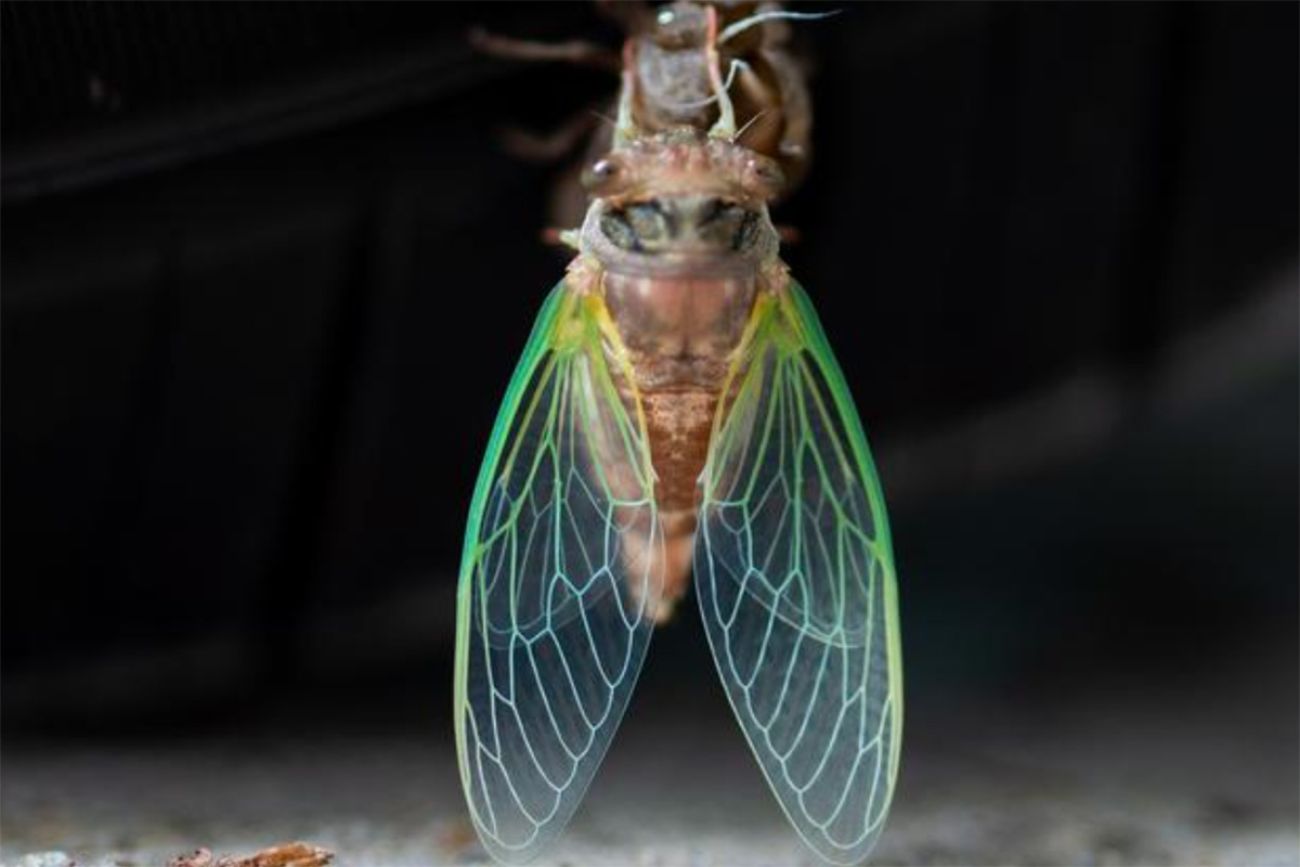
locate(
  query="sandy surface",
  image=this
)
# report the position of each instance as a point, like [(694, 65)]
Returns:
[(1087, 785)]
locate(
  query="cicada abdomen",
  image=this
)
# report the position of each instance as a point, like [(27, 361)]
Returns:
[(678, 414)]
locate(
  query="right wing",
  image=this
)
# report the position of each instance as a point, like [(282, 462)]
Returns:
[(795, 576)]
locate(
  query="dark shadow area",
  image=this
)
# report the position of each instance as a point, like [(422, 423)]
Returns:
[(266, 269)]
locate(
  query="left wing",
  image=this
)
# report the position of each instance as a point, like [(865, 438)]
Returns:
[(556, 581), (795, 577)]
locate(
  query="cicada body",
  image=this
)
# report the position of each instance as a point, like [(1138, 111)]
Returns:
[(678, 413)]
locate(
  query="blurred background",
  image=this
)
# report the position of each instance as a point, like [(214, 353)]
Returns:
[(266, 269)]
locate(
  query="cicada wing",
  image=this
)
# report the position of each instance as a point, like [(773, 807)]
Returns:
[(795, 578), (555, 583)]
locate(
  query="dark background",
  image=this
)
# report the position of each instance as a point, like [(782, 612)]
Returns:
[(266, 270)]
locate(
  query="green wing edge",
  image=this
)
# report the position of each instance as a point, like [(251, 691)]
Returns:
[(786, 322), (540, 341), (798, 309)]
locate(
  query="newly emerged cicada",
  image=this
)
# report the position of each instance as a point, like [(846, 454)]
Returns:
[(677, 412)]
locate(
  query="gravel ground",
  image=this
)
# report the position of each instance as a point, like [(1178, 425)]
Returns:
[(1142, 782)]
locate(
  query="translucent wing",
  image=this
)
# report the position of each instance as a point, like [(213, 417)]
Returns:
[(554, 581), (795, 578)]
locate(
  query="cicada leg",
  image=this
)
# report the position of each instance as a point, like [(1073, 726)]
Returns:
[(575, 51)]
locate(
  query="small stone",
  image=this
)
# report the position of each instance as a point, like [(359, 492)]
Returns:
[(46, 859)]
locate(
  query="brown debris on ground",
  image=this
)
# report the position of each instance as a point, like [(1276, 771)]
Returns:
[(283, 855)]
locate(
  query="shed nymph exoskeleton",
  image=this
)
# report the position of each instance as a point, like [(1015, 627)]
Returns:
[(678, 412)]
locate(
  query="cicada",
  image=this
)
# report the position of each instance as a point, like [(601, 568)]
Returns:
[(678, 417)]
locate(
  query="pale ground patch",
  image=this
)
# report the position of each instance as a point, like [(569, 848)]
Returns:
[(1144, 783)]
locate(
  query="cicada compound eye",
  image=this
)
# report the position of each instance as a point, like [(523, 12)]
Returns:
[(764, 177), (599, 178)]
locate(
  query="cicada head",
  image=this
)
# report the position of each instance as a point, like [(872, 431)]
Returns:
[(681, 202)]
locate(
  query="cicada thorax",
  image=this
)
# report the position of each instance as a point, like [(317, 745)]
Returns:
[(677, 245)]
